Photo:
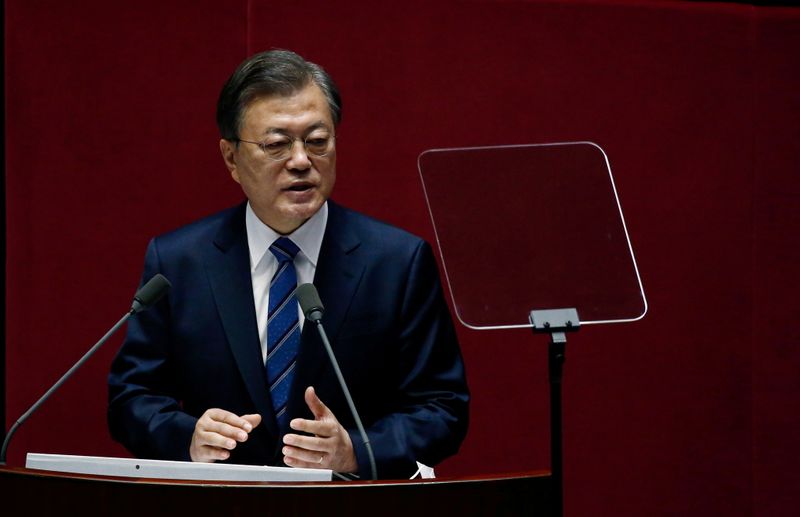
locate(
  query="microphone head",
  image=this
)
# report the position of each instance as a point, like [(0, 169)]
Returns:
[(150, 293), (308, 298)]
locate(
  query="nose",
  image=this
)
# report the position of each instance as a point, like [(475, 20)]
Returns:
[(298, 157)]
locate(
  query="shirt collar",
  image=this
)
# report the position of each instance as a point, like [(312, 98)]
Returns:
[(308, 237)]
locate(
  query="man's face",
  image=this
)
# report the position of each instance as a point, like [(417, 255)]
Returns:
[(286, 193)]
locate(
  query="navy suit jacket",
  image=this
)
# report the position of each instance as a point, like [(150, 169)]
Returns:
[(198, 348)]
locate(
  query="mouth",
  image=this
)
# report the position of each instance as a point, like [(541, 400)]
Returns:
[(302, 186)]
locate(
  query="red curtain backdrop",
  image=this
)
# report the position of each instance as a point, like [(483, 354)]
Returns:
[(110, 139)]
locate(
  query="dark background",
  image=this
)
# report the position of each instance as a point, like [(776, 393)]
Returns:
[(110, 139)]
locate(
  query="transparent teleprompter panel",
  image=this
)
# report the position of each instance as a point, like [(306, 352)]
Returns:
[(531, 227)]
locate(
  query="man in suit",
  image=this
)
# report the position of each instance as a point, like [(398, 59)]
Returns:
[(224, 369)]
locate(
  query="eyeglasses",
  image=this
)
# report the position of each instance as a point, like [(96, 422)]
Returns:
[(279, 146)]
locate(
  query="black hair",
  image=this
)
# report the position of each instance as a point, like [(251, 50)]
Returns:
[(275, 72)]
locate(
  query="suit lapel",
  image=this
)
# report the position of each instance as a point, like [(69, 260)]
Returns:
[(228, 268)]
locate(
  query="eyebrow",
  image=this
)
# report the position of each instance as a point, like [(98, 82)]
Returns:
[(317, 125)]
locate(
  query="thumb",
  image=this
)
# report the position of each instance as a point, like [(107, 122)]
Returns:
[(313, 402)]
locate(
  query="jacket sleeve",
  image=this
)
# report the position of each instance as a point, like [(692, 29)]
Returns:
[(144, 413)]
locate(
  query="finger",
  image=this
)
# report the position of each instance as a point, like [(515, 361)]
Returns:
[(213, 453), (221, 415), (316, 406), (254, 420), (319, 428), (202, 448), (228, 424), (294, 456), (212, 439), (224, 429), (292, 462), (309, 443)]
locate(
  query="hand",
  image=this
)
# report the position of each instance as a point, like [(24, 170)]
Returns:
[(329, 448), (217, 433)]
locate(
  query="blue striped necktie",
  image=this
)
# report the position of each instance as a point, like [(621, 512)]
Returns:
[(283, 328)]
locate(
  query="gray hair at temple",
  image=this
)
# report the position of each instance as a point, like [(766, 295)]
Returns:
[(275, 72)]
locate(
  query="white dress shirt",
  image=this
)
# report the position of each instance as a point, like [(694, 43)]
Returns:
[(263, 263)]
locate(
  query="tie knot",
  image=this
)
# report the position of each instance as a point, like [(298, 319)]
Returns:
[(284, 249)]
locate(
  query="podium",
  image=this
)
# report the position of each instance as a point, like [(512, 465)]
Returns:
[(37, 492)]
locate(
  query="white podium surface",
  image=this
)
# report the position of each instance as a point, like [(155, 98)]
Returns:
[(157, 469)]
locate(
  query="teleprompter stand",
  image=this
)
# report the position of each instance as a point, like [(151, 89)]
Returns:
[(523, 228), (556, 322)]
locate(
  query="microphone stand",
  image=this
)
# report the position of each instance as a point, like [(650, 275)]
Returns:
[(58, 384), (308, 298), (146, 296), (347, 396)]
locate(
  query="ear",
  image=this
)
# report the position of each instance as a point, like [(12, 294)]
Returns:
[(228, 151)]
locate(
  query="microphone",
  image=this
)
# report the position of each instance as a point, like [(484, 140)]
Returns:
[(150, 293), (308, 298), (145, 297)]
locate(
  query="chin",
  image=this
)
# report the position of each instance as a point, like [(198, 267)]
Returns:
[(302, 212)]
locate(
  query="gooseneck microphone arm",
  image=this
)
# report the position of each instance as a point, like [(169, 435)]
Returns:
[(149, 294), (58, 384), (311, 306)]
